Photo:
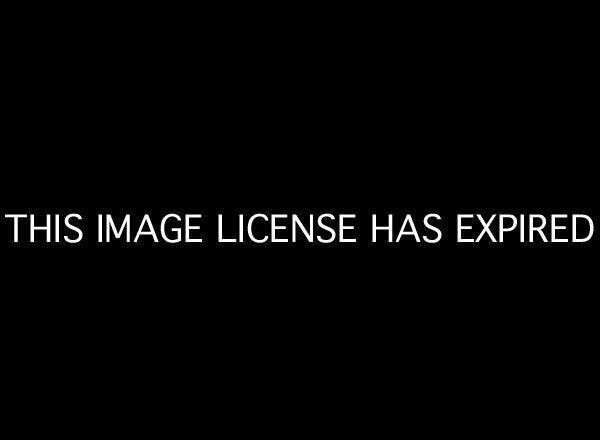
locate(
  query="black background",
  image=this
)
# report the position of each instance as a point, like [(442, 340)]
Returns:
[(381, 113)]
